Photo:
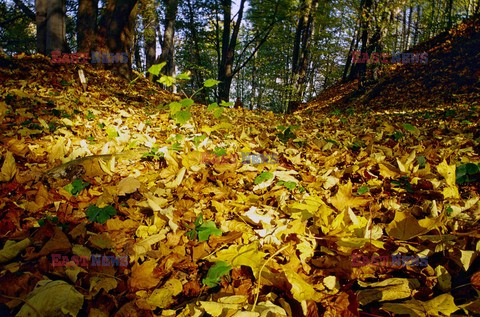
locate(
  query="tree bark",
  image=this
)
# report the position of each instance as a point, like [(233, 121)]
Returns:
[(225, 70), (41, 21), (301, 47), (86, 25), (168, 48), (150, 23), (449, 14), (116, 33)]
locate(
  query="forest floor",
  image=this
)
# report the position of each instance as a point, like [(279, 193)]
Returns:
[(364, 204)]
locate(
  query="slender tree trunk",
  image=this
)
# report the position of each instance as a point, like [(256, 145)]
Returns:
[(150, 23), (86, 25), (449, 14), (353, 46), (362, 67), (168, 47), (229, 42), (409, 26), (138, 59), (417, 21), (301, 47), (254, 82), (196, 58)]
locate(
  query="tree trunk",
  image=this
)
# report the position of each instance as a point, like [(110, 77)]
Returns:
[(86, 25), (353, 46), (417, 21), (196, 59), (168, 48), (41, 21), (229, 42), (449, 14), (150, 22), (116, 33), (301, 48)]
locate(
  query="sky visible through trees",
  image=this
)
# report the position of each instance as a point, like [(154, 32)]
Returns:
[(281, 53)]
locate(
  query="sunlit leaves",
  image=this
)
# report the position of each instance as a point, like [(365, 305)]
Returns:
[(210, 83), (157, 68)]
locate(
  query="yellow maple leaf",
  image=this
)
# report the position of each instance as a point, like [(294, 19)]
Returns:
[(247, 255), (344, 198), (9, 168)]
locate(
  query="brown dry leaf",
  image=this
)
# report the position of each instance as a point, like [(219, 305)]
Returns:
[(142, 275)]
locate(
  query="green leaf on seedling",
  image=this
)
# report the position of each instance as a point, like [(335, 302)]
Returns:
[(198, 139), (288, 185), (212, 106), (215, 273), (100, 215), (76, 186), (219, 151), (206, 229), (167, 80), (90, 115), (183, 76), (52, 126), (471, 168), (211, 82), (363, 190), (409, 127), (226, 104), (187, 102), (421, 161), (174, 107), (397, 135), (217, 113), (183, 116), (157, 68), (264, 176)]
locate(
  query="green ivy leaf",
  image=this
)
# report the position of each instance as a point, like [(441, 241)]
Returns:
[(76, 186), (215, 273), (174, 107), (187, 102), (219, 151), (211, 82), (183, 116), (100, 215), (363, 190), (90, 115), (288, 185), (183, 76), (264, 176), (409, 127), (471, 168), (206, 229), (217, 113), (212, 106), (421, 161), (157, 68), (226, 104), (166, 80)]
